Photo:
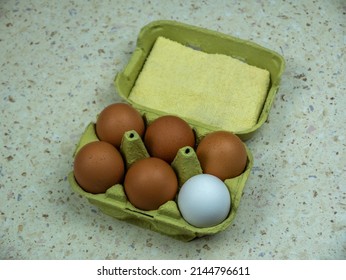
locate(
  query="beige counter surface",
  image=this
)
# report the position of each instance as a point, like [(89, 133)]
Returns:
[(58, 61)]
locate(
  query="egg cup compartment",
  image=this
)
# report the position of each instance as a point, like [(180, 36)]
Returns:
[(167, 219)]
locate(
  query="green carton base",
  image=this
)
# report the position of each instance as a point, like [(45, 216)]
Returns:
[(167, 219)]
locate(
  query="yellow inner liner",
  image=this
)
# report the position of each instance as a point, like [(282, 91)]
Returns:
[(208, 88)]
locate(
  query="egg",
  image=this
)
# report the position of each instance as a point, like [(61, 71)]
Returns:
[(98, 166), (222, 154), (204, 201), (115, 120), (166, 135), (149, 183)]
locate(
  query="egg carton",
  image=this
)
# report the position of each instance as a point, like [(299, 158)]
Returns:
[(167, 219)]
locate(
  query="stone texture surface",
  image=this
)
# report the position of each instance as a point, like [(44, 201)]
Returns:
[(58, 61)]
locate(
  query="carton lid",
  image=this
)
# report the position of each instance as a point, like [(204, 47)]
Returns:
[(210, 42)]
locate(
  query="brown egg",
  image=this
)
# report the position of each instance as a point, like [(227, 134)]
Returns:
[(149, 183), (222, 154), (98, 166), (115, 120), (166, 135)]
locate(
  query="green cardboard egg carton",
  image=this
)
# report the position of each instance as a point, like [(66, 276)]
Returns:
[(167, 219)]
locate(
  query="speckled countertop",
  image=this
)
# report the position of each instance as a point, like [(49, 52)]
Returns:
[(58, 61)]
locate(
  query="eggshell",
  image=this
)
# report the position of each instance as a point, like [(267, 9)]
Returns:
[(166, 135), (115, 120), (222, 154), (149, 183), (98, 166), (204, 201)]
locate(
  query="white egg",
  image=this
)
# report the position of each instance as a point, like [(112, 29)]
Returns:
[(204, 201)]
